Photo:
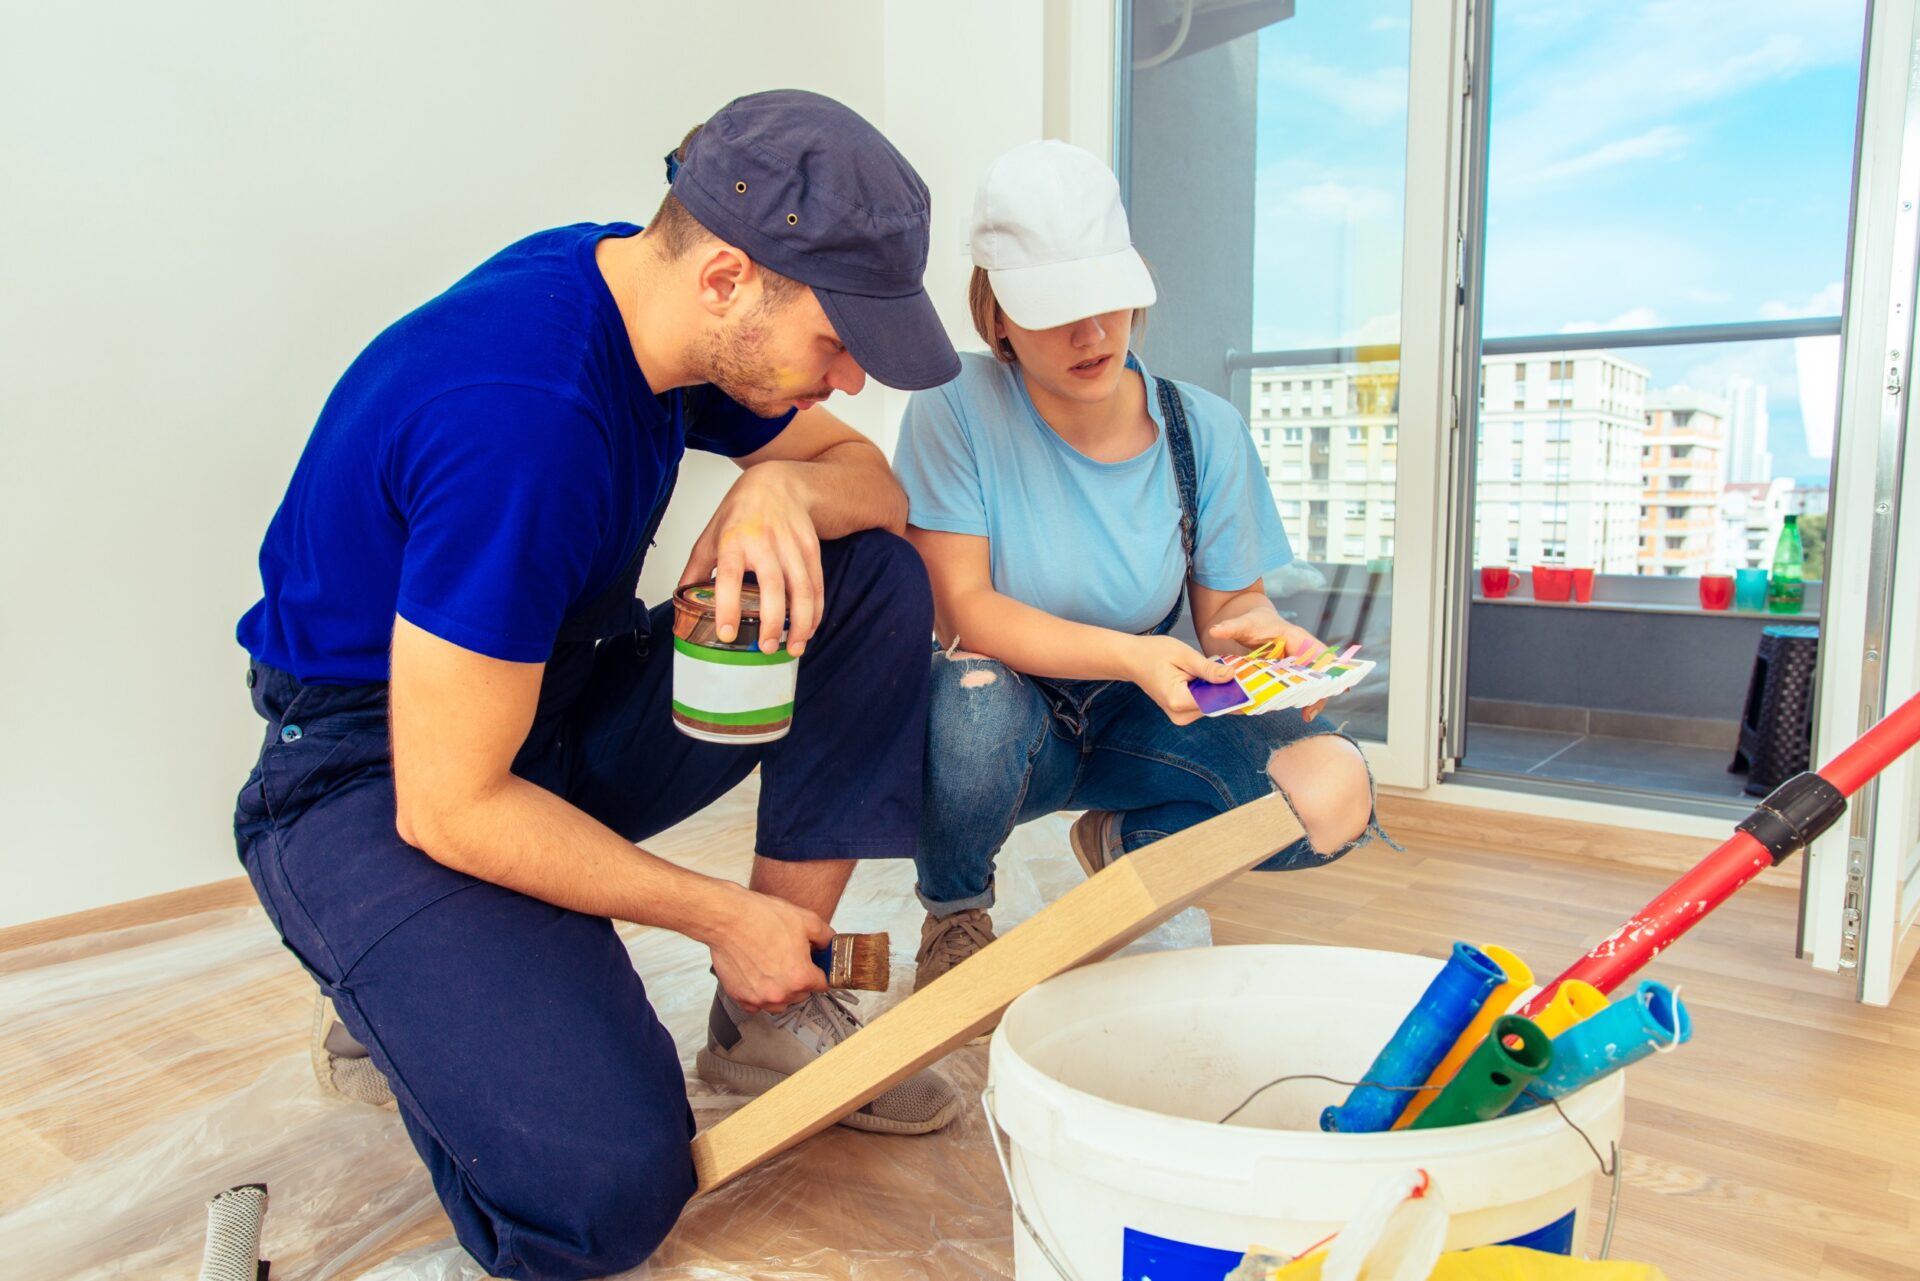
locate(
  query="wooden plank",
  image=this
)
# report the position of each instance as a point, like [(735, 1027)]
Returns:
[(235, 891), (1090, 921)]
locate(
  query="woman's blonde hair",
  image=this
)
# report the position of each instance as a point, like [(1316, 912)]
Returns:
[(986, 317)]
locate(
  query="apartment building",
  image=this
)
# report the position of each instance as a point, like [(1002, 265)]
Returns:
[(1683, 457)]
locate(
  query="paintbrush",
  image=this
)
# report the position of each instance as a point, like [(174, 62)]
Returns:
[(862, 962)]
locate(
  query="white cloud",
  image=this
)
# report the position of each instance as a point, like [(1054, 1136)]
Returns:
[(1376, 97), (1373, 331), (1571, 88), (1387, 23), (1661, 140), (1632, 318), (1343, 202), (1816, 365), (1824, 302), (1817, 362), (1707, 297)]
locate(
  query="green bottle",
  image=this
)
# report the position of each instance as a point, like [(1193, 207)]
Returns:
[(1785, 588)]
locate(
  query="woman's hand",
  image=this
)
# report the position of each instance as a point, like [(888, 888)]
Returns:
[(1260, 624), (1162, 666)]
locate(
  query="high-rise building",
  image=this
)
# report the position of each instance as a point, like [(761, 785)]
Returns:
[(1681, 461), (1559, 476), (1751, 517), (1808, 500), (1329, 436), (1748, 460)]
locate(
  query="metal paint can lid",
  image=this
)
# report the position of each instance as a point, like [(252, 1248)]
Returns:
[(694, 609)]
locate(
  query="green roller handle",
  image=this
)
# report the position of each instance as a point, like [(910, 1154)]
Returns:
[(1493, 1075)]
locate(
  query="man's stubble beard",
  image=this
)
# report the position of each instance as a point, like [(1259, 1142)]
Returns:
[(736, 363)]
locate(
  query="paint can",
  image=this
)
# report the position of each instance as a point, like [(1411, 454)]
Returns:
[(728, 691)]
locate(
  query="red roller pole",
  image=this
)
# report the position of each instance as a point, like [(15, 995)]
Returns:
[(1655, 927)]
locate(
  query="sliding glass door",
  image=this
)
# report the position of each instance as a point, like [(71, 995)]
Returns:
[(1291, 181), (1654, 280)]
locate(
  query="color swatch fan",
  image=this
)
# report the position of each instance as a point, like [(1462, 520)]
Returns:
[(1267, 680)]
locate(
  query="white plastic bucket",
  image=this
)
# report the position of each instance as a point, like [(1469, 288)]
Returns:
[(1110, 1083)]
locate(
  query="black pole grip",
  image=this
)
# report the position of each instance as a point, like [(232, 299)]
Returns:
[(1794, 813)]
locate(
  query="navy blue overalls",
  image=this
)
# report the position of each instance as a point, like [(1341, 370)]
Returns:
[(530, 1070)]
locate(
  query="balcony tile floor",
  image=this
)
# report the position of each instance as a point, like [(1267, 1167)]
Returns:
[(1639, 764)]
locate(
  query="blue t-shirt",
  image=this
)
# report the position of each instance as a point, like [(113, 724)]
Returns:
[(1088, 541), (486, 466)]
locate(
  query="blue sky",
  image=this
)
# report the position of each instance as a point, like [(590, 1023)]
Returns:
[(1654, 163)]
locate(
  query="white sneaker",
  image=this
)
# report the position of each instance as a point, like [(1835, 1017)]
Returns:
[(341, 1064)]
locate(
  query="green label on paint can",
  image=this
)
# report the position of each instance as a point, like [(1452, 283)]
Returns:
[(732, 695)]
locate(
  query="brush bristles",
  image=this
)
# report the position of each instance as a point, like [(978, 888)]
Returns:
[(862, 962)]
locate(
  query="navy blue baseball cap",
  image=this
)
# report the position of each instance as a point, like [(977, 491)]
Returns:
[(809, 189)]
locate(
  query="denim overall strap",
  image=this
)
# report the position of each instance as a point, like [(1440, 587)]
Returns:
[(1070, 700), (1186, 480)]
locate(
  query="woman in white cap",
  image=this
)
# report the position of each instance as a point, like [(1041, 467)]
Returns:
[(1066, 504)]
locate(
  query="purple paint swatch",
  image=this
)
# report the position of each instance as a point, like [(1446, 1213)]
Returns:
[(1212, 699)]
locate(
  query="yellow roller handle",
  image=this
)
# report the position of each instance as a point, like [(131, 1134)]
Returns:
[(1573, 1002), (1519, 979)]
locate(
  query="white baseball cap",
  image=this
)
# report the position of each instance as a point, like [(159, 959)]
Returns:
[(1052, 235)]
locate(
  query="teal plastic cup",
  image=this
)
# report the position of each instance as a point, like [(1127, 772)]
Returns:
[(1750, 589)]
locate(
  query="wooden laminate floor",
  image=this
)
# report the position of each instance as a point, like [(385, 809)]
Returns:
[(1783, 1143)]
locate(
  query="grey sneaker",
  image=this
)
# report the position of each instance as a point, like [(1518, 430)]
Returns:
[(1095, 837), (340, 1063), (945, 941), (752, 1053)]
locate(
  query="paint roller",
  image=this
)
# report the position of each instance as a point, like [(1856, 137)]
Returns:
[(1630, 1029), (1423, 1038), (234, 1220), (1514, 1054), (1518, 979)]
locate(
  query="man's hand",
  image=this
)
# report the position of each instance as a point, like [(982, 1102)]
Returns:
[(1162, 666), (1260, 624), (763, 526), (763, 951)]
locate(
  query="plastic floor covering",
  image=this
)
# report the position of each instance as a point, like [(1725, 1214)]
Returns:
[(143, 1070)]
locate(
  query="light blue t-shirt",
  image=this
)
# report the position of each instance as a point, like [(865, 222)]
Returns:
[(1093, 542)]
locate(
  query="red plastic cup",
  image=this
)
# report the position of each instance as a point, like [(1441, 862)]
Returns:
[(1582, 584), (1716, 591), (1495, 581), (1552, 582)]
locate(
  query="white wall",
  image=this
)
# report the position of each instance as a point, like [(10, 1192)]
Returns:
[(211, 206)]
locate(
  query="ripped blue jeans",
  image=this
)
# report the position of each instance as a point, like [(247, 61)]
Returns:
[(1004, 749)]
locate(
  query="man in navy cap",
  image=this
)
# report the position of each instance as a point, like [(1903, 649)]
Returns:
[(468, 713)]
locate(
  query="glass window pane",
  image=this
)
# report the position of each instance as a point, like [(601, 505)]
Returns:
[(1668, 164), (1296, 134), (1724, 469), (1652, 165)]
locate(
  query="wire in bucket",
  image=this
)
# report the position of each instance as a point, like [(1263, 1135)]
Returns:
[(1606, 1169)]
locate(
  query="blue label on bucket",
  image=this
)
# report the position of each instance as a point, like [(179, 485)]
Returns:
[(1555, 1238), (1145, 1257)]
